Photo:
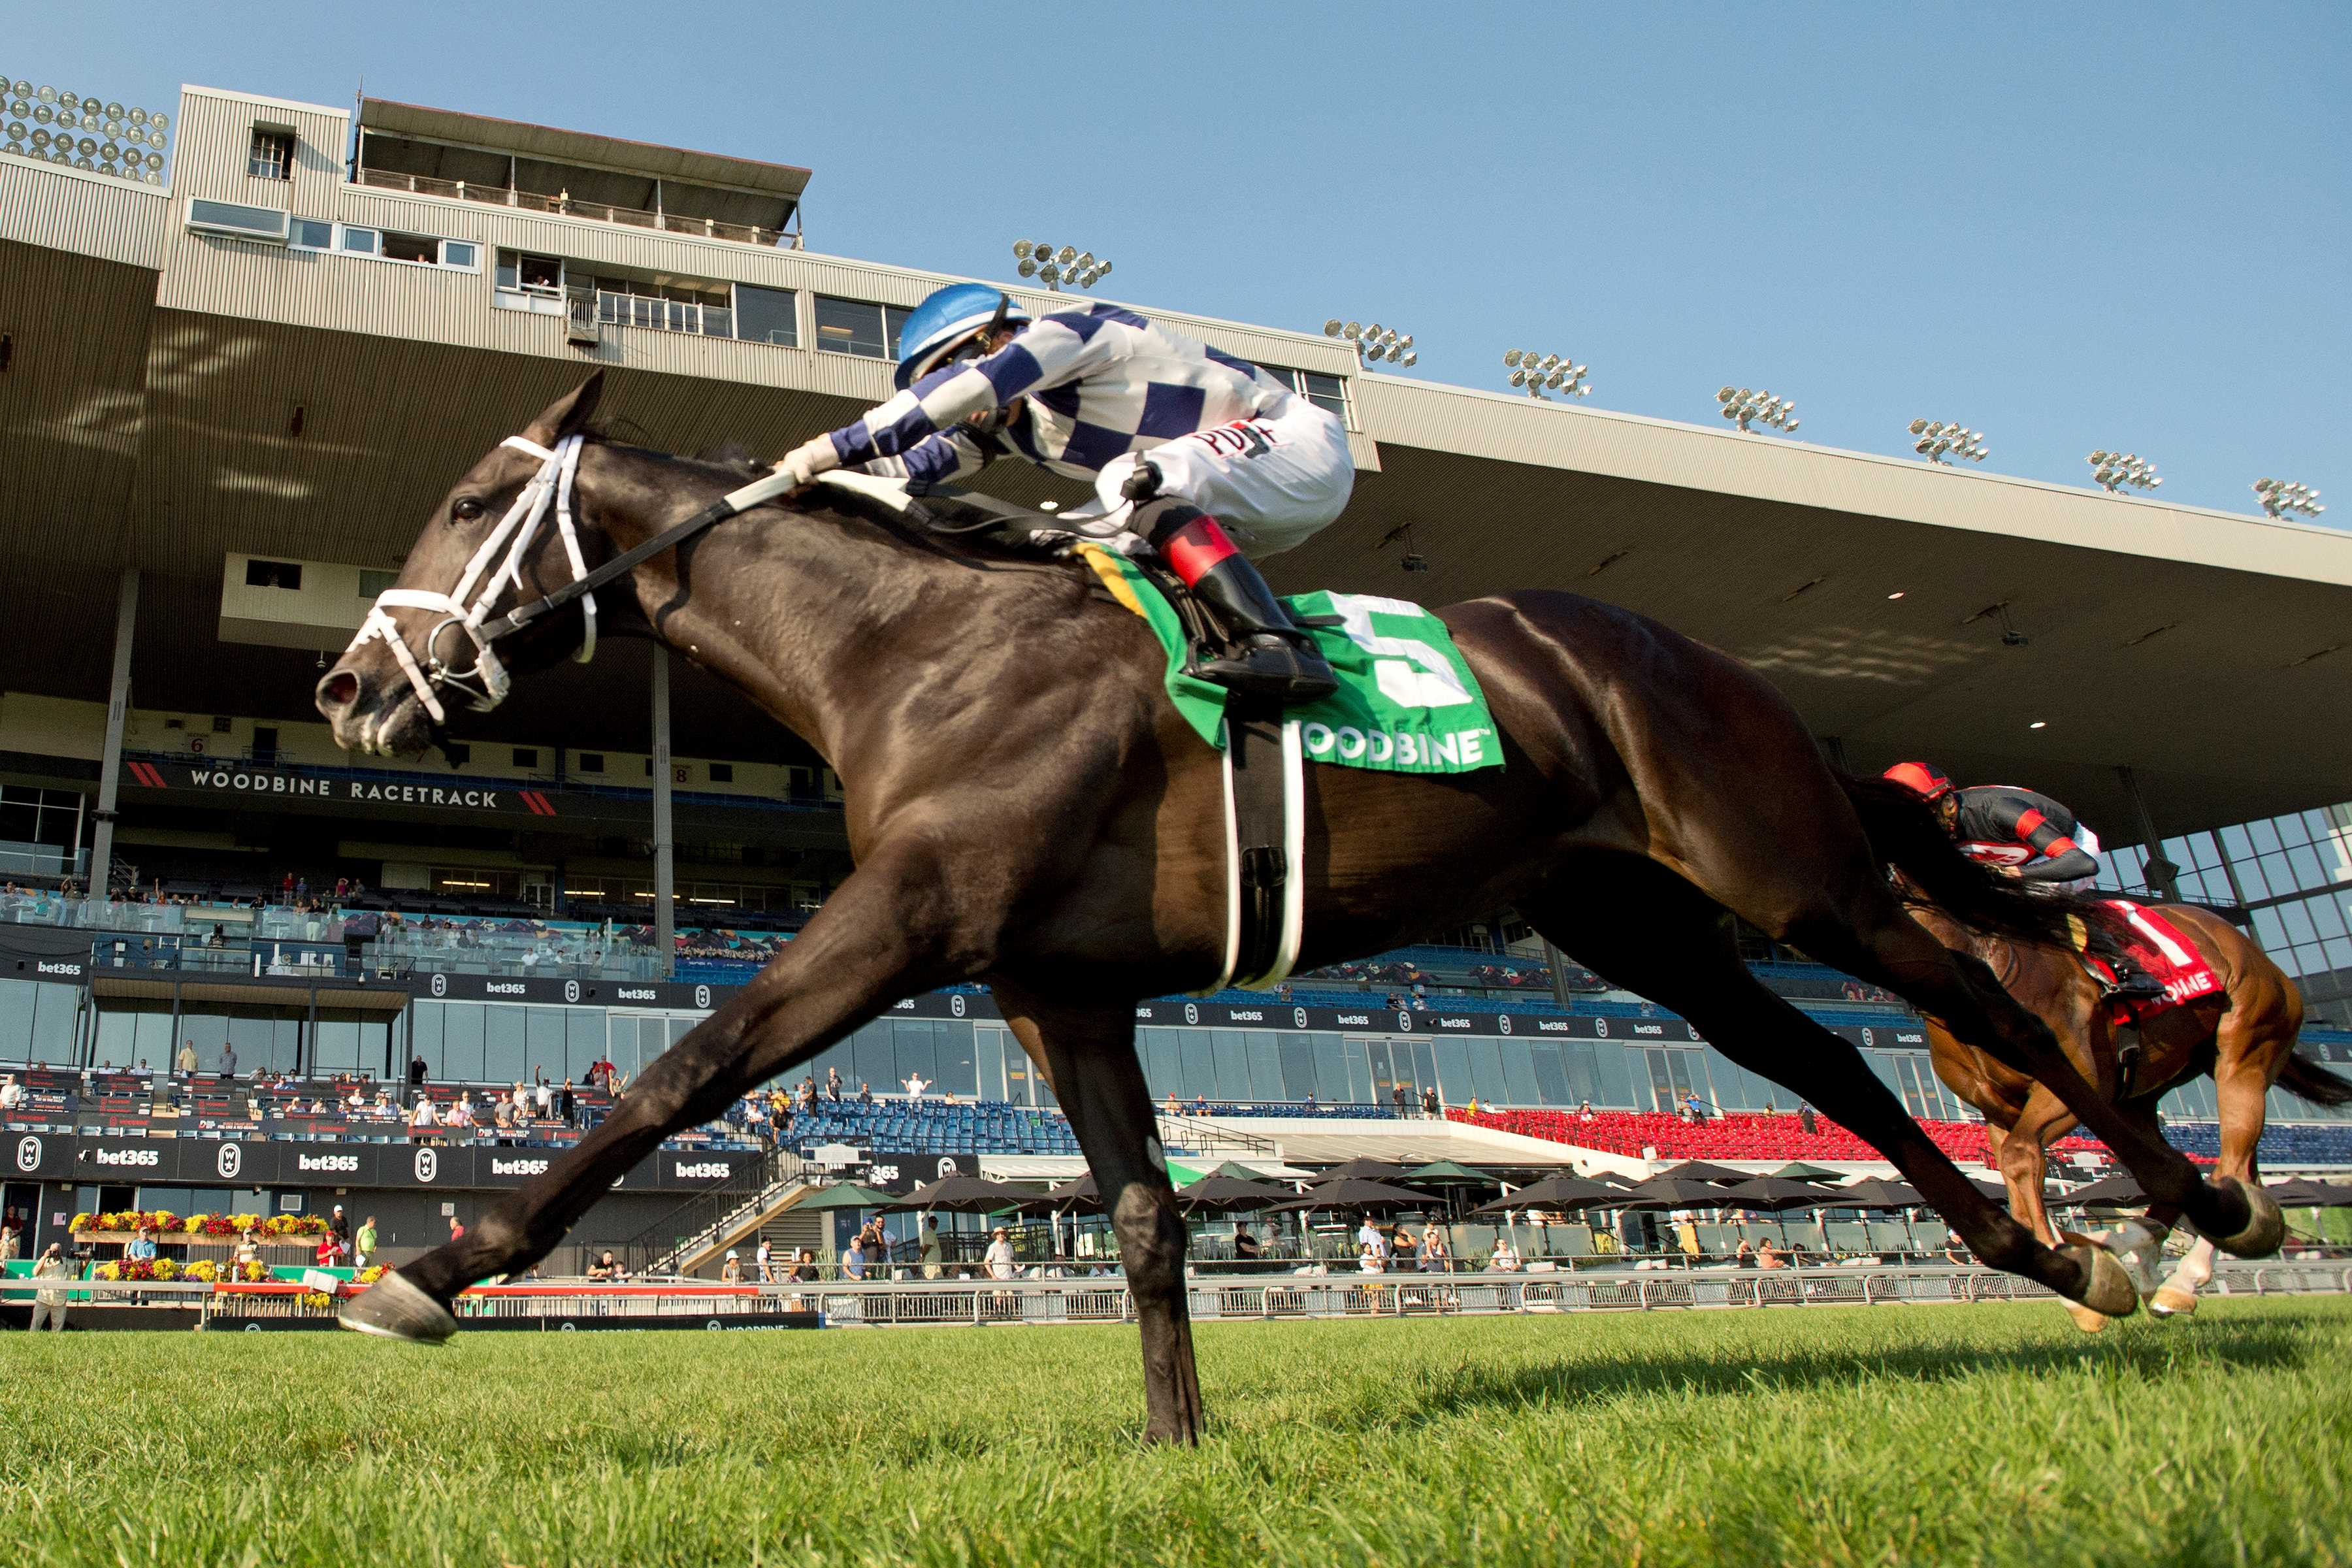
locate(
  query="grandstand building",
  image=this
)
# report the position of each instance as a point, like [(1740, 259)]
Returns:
[(230, 394)]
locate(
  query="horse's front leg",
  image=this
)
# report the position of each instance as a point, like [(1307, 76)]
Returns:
[(1088, 1054), (881, 936)]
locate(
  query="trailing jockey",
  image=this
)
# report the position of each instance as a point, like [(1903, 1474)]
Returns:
[(1192, 451), (2032, 836)]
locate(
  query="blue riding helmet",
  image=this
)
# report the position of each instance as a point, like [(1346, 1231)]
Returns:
[(934, 328)]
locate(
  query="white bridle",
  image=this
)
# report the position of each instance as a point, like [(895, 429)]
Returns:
[(550, 487)]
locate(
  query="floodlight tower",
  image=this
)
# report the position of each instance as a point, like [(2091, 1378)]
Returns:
[(1940, 441), (1556, 373), (1752, 408), (78, 131), (1373, 344), (2117, 470), (2279, 496), (1079, 268)]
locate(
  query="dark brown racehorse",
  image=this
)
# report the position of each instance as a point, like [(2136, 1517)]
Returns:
[(1027, 809), (2243, 1037)]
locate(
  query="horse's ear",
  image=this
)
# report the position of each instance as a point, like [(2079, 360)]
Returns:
[(568, 415)]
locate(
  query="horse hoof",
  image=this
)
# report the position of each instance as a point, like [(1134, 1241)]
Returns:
[(2168, 1302), (396, 1309), (2108, 1291), (2087, 1321), (2265, 1226)]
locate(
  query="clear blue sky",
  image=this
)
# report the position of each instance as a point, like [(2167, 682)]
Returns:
[(2072, 227)]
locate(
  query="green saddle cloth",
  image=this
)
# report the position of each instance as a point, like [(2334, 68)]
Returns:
[(1407, 702)]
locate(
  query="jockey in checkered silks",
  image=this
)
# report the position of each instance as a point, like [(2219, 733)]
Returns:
[(1196, 453)]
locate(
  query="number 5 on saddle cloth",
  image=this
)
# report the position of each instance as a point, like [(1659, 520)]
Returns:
[(1407, 703)]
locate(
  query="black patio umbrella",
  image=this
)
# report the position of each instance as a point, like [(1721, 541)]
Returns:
[(1078, 1193), (1567, 1194), (1353, 1193), (2307, 1192), (1876, 1194), (1447, 1174), (1363, 1171), (965, 1195), (2121, 1191), (1678, 1193), (1228, 1195), (1798, 1171), (1699, 1171), (1774, 1195)]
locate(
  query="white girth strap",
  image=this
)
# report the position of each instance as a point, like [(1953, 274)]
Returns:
[(548, 490)]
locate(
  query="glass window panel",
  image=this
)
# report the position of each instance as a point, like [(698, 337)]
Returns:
[(543, 1043), (1197, 1071), (458, 253), (583, 1041), (894, 318), (152, 1043), (2296, 920), (1452, 1070), (2339, 951), (1551, 1082), (1330, 1069), (310, 233), (362, 240), (2268, 931), (2277, 873), (505, 1050), (916, 1041), (2326, 919), (850, 327), (1519, 1073), (2234, 840), (335, 1044), (1229, 1060), (1326, 391), (873, 1059), (1264, 1064), (2306, 867), (1297, 1066), (1163, 1066), (1360, 1070), (2266, 837), (2251, 878), (1486, 1071), (958, 1072), (2290, 830), (1625, 1074), (18, 1000), (465, 1033), (425, 1021)]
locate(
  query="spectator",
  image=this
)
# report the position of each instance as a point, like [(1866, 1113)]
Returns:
[(853, 1262), (731, 1271), (929, 1253), (49, 1304), (1402, 1250), (999, 1256), (1436, 1257), (12, 1094), (543, 1096), (1245, 1247), (865, 1092), (1429, 1106), (603, 1270), (1397, 1096), (141, 1246), (339, 1225), (331, 1250), (1805, 1119), (7, 1244), (1370, 1236), (1505, 1258), (1584, 1111), (1771, 1256), (765, 1259), (1369, 1258), (227, 1060), (567, 1104), (1744, 1255), (248, 1251), (457, 1229), (366, 1253), (187, 1058), (833, 1084), (916, 1083), (462, 1113), (1955, 1251), (416, 1072), (804, 1270), (1175, 1110)]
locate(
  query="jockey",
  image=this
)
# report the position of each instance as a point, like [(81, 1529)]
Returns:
[(2028, 835), (1191, 451)]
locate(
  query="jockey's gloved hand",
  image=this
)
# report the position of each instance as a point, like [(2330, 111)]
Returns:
[(805, 462)]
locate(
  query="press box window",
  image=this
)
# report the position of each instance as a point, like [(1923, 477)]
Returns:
[(522, 273), (592, 762), (312, 233), (272, 155), (722, 772), (260, 573), (857, 327), (526, 756), (768, 315), (1328, 393), (373, 584)]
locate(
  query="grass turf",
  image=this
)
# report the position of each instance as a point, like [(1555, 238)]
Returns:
[(1989, 1434)]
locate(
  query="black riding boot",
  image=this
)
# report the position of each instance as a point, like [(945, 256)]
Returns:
[(1275, 658), (2133, 983)]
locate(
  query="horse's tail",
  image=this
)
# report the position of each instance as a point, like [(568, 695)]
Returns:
[(2320, 1084), (1905, 834)]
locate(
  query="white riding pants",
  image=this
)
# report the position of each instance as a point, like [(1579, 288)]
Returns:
[(1272, 480)]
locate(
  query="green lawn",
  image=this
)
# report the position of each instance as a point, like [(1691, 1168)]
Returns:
[(1988, 1434)]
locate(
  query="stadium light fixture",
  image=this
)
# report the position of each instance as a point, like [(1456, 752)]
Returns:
[(1373, 344), (2279, 496), (2117, 470), (1940, 441), (79, 131), (1752, 409), (1079, 268), (1540, 374)]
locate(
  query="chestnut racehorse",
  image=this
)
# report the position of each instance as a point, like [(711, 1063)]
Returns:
[(2243, 1037), (1026, 808)]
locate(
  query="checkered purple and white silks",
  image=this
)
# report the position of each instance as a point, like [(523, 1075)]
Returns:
[(1101, 382)]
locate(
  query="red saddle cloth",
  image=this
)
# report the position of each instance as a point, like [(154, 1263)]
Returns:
[(2160, 947)]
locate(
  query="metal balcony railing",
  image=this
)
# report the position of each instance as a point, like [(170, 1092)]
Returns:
[(568, 205)]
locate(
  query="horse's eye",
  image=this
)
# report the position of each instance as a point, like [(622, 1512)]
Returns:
[(467, 509)]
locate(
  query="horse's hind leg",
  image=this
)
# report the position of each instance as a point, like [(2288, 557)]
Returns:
[(1650, 932), (1089, 1054), (2021, 1152), (2242, 1080), (1879, 943)]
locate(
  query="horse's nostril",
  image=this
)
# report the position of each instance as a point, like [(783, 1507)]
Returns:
[(339, 690)]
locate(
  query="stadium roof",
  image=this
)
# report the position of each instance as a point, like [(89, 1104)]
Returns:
[(1907, 609)]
